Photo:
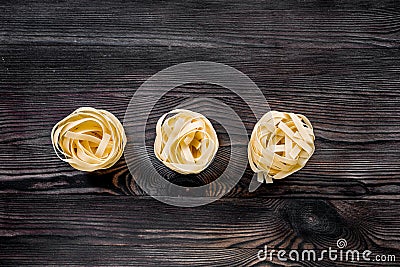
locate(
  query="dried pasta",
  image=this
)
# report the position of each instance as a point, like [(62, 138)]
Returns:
[(280, 144), (89, 139), (185, 142)]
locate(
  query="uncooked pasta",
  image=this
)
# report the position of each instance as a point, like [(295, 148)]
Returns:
[(89, 139), (281, 144), (185, 142)]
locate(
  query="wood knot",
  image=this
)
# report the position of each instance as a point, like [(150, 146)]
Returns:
[(313, 218)]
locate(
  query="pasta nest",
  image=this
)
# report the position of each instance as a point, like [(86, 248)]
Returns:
[(185, 142), (89, 139), (280, 144)]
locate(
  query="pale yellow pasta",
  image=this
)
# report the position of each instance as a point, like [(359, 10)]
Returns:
[(185, 142), (280, 144), (89, 139)]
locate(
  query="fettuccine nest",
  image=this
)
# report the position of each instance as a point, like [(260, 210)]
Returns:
[(89, 139), (185, 142), (281, 144)]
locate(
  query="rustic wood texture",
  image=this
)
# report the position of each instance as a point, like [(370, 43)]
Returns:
[(337, 62), (70, 230)]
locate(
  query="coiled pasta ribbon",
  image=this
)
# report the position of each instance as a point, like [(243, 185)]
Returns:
[(280, 144), (89, 139), (185, 142)]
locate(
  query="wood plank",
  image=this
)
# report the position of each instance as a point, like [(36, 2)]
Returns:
[(296, 24), (334, 61), (100, 230), (350, 95)]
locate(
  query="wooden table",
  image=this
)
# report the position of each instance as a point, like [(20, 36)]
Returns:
[(337, 62)]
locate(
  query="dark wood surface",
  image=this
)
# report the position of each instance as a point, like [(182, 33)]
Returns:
[(337, 62)]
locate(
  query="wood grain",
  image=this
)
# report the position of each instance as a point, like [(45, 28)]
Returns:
[(351, 96), (72, 230), (337, 62), (296, 24)]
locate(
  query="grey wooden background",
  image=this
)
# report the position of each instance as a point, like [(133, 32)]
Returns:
[(337, 62)]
